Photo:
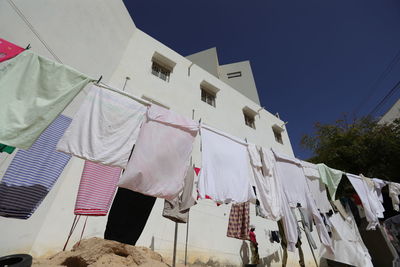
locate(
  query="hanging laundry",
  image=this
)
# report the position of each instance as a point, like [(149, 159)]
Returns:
[(317, 188), (161, 156), (379, 184), (96, 189), (34, 91), (128, 216), (392, 228), (225, 171), (267, 190), (330, 177), (33, 172), (104, 129), (284, 245), (372, 206), (394, 192), (8, 50), (274, 237), (239, 221), (293, 181), (177, 209), (347, 242), (7, 149)]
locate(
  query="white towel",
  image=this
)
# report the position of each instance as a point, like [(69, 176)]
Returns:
[(225, 172), (104, 129)]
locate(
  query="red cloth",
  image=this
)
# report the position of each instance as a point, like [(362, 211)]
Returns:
[(97, 189), (252, 236), (8, 50), (239, 219), (357, 199)]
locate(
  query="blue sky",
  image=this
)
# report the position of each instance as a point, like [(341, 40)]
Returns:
[(312, 60)]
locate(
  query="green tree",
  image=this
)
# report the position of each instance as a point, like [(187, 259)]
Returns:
[(360, 146)]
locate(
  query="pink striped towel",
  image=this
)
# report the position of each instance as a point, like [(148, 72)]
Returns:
[(96, 190)]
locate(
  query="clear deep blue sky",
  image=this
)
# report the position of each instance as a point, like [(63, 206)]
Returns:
[(312, 60)]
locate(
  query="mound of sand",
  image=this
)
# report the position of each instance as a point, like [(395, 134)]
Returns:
[(95, 252)]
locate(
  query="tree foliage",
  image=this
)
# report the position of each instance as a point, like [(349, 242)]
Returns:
[(360, 146)]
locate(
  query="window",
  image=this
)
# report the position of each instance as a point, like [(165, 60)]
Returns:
[(162, 66), (249, 120), (234, 74), (160, 71), (208, 97), (278, 135)]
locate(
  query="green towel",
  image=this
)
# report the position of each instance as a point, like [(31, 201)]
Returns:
[(33, 92), (330, 177), (7, 149)]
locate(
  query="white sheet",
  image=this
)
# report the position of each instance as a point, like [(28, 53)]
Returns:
[(104, 129), (161, 156), (225, 172)]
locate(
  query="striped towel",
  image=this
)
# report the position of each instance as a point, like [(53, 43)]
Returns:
[(33, 172), (97, 189)]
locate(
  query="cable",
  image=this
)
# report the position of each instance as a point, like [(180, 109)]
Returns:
[(385, 98), (378, 81), (30, 26)]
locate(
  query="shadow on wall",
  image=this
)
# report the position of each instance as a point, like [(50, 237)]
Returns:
[(267, 261), (244, 253)]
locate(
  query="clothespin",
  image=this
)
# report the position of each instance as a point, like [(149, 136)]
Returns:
[(98, 81), (29, 46), (245, 139)]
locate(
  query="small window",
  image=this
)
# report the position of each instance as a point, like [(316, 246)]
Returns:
[(278, 135), (249, 120), (208, 97), (234, 74), (160, 71)]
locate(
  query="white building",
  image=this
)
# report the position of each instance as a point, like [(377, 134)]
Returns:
[(392, 114), (102, 40)]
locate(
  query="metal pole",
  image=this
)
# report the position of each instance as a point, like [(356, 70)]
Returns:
[(308, 241), (187, 237), (175, 241)]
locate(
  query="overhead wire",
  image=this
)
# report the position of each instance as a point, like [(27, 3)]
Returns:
[(377, 82), (385, 99)]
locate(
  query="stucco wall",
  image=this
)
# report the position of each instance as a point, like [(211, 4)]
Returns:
[(46, 231)]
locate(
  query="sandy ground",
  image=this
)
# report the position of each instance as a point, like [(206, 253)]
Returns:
[(95, 252)]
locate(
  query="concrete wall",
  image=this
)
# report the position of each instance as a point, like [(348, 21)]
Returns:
[(45, 232), (207, 60), (392, 114), (245, 83)]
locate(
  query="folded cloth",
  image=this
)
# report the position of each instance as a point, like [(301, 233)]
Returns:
[(8, 50), (330, 177), (161, 156), (34, 91), (394, 192), (239, 221), (33, 172), (97, 189), (177, 209), (104, 129), (225, 172)]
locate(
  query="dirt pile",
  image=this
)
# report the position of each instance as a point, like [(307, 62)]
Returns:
[(96, 252)]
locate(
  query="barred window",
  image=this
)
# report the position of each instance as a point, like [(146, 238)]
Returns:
[(160, 71), (208, 97), (278, 135), (249, 120)]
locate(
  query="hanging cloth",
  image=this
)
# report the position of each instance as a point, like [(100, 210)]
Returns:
[(330, 177), (161, 156), (128, 216), (8, 50), (379, 184), (296, 192), (177, 209), (7, 149), (34, 91), (239, 221), (372, 206), (394, 192), (317, 188), (225, 171), (96, 189), (266, 182), (33, 172), (104, 129)]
